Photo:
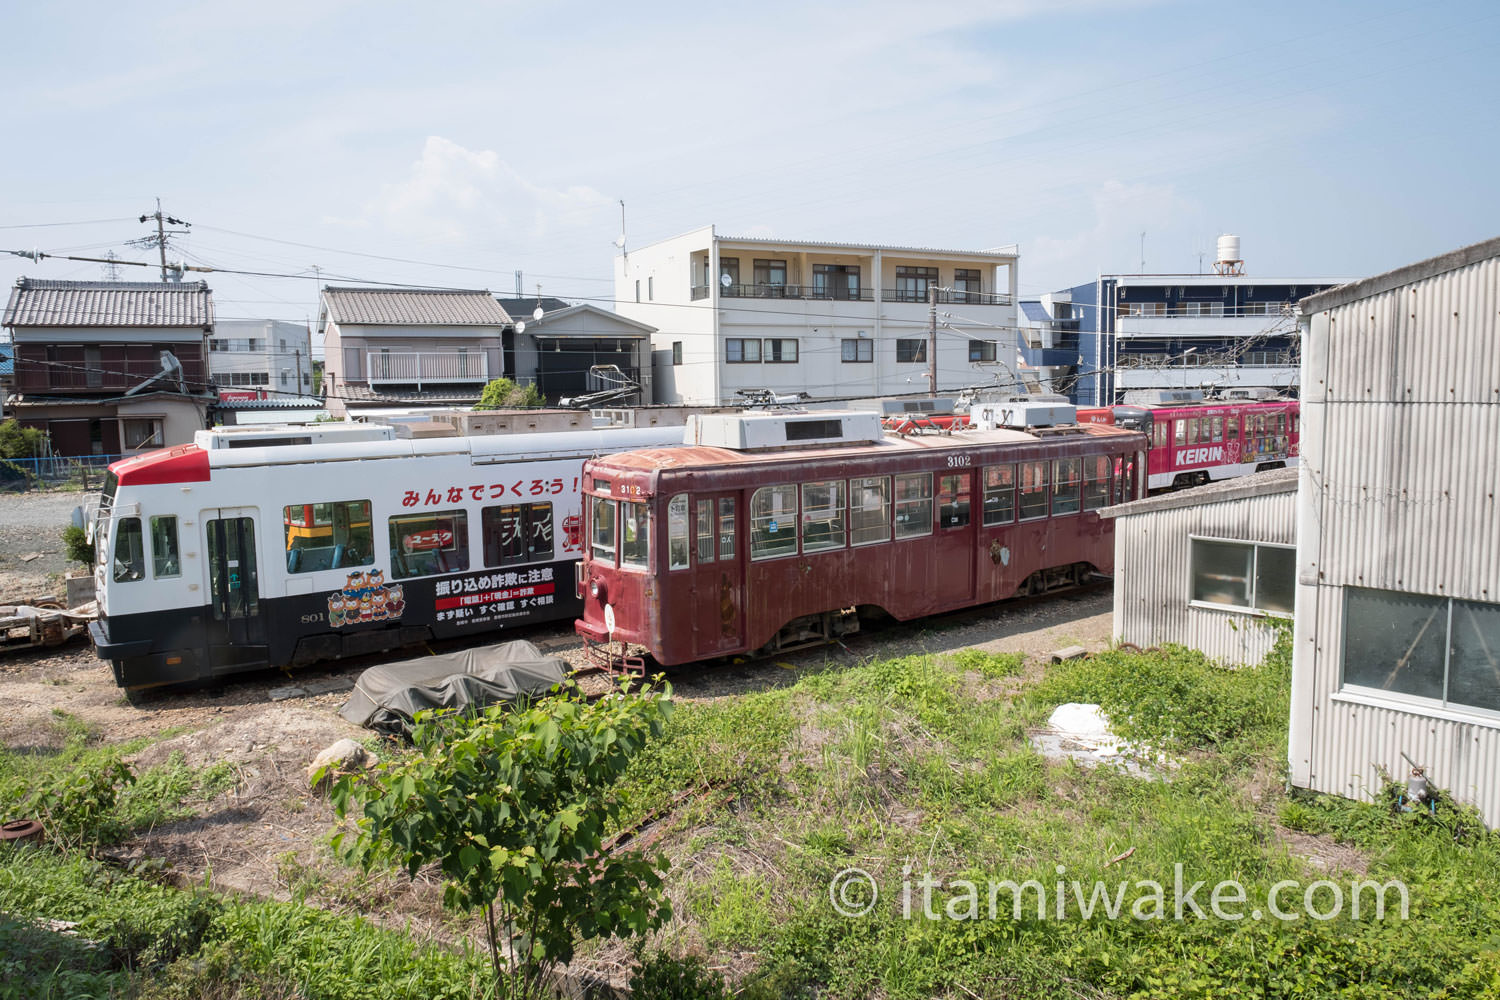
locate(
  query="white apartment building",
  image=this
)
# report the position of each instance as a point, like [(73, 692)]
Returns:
[(831, 320), (264, 354)]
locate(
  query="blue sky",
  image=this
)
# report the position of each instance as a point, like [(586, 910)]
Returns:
[(471, 141)]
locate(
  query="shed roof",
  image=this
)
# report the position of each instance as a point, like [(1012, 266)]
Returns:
[(523, 307), (35, 302), (639, 329), (414, 306), (1366, 287), (1258, 484), (7, 360)]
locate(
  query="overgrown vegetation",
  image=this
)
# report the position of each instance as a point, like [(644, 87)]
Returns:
[(20, 442), (502, 394), (87, 797), (906, 768), (513, 807)]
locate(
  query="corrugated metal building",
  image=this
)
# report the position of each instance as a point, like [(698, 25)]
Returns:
[(1398, 588), (1207, 567)]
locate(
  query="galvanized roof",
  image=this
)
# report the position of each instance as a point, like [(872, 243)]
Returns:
[(1254, 485), (413, 307), (36, 302)]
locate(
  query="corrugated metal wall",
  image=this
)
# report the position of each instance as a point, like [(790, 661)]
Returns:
[(1400, 471), (1152, 553)]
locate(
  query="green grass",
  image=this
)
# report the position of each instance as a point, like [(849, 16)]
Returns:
[(903, 768), (168, 944)]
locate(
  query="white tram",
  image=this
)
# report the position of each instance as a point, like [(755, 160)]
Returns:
[(213, 560)]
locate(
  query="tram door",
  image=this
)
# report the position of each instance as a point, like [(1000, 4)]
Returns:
[(955, 542), (233, 584), (718, 575)]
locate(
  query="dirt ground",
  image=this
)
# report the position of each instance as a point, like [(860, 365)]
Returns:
[(268, 835)]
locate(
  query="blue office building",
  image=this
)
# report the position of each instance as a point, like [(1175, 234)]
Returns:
[(1226, 333)]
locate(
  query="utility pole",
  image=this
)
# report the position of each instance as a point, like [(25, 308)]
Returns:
[(932, 340), (160, 239), (298, 355)]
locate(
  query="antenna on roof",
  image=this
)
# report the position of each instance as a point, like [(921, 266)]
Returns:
[(620, 240)]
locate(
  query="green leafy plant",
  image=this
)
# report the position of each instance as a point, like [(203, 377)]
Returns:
[(20, 442), (502, 393), (76, 545), (513, 806)]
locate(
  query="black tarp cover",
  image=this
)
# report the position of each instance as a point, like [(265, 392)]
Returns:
[(386, 697)]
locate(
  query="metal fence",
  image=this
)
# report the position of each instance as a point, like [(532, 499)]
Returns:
[(84, 472)]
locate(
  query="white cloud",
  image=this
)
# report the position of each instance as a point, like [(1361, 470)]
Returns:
[(1122, 212), (467, 197)]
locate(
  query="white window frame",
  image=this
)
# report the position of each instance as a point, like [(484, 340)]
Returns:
[(1250, 609)]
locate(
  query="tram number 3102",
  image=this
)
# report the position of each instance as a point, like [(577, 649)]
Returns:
[(959, 461)]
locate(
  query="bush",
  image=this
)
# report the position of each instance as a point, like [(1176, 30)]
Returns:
[(20, 442), (502, 393), (76, 545)]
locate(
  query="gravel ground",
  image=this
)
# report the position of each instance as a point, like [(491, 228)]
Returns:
[(31, 548)]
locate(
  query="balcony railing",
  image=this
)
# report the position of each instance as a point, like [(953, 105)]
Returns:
[(768, 291), (840, 294), (386, 367), (1194, 310), (946, 297)]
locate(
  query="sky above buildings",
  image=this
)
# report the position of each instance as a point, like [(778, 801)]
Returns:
[(456, 145)]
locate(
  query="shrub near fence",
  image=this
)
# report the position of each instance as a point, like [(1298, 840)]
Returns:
[(54, 472)]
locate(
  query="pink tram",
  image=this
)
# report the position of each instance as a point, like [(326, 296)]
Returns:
[(771, 530), (1193, 441)]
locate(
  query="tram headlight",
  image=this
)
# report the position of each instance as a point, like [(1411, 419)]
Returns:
[(596, 589)]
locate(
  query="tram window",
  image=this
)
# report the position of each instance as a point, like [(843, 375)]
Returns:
[(165, 561), (773, 522), (603, 521), (999, 494), (822, 516), (635, 534), (705, 531), (1218, 429), (1095, 482), (1159, 435), (1034, 489), (516, 533), (130, 550), (329, 535), (1192, 430), (1232, 427), (914, 505), (726, 527), (870, 509), (1065, 486), (428, 543), (677, 532), (1181, 435), (953, 501)]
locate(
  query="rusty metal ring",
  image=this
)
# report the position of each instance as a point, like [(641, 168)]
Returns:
[(20, 829)]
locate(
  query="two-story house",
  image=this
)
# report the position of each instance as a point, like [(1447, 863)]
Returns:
[(89, 366), (830, 320), (1227, 331), (408, 346)]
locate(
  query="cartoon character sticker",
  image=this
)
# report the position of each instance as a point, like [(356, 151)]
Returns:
[(365, 598)]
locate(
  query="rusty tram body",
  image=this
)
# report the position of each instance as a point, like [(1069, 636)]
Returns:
[(771, 530)]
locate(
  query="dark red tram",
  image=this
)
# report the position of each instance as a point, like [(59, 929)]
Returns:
[(776, 529)]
